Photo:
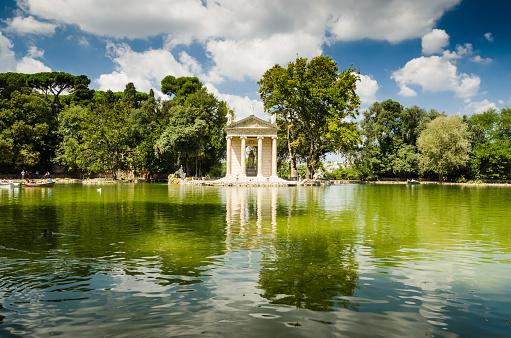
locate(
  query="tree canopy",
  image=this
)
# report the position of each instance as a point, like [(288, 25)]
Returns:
[(181, 86), (54, 118), (390, 134), (444, 145), (194, 136), (313, 100), (491, 143)]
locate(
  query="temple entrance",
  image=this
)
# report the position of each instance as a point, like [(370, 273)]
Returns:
[(251, 161)]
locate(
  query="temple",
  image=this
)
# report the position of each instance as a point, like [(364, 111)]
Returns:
[(252, 151)]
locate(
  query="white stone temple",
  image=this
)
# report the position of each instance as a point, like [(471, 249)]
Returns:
[(259, 137)]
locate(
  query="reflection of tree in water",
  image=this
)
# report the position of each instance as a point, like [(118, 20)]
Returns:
[(310, 273)]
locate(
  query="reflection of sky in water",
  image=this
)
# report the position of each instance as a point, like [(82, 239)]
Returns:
[(419, 266)]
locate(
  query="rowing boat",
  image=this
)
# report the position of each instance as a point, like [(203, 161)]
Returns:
[(38, 184)]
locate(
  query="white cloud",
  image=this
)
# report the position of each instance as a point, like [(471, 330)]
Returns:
[(236, 60), (366, 89), (434, 42), (7, 59), (407, 91), (30, 25), (241, 105), (242, 39), (464, 50), (82, 41), (29, 65), (393, 21), (437, 73), (145, 69), (184, 21), (488, 36), (479, 59), (479, 107), (33, 52)]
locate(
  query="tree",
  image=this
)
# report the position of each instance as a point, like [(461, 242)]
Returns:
[(54, 83), (180, 87), (195, 136), (11, 82), (182, 138), (390, 134), (313, 100), (26, 123), (105, 144), (146, 125), (444, 145), (491, 156), (71, 123), (82, 95)]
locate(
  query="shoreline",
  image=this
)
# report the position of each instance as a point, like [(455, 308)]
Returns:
[(111, 181), (474, 184)]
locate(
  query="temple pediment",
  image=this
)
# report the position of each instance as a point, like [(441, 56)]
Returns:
[(251, 122)]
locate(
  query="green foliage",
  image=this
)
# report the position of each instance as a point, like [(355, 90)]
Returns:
[(52, 83), (26, 122), (390, 134), (82, 95), (348, 173), (180, 87), (491, 157), (105, 132), (101, 131), (105, 142), (13, 82), (71, 122), (194, 137), (312, 100), (444, 145)]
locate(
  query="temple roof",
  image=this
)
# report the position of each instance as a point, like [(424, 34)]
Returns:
[(251, 122)]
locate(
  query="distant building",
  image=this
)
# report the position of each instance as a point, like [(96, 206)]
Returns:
[(331, 166)]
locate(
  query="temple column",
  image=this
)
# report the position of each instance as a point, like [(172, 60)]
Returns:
[(229, 159), (274, 157), (260, 156), (243, 155)]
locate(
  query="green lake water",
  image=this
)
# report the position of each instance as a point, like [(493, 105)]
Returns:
[(151, 260)]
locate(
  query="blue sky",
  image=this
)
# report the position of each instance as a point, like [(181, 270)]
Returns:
[(449, 55)]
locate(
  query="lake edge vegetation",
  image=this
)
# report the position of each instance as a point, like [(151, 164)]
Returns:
[(53, 121)]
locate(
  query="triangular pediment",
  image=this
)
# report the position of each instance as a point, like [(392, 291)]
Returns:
[(251, 122)]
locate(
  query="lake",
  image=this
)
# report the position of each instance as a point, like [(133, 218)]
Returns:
[(152, 260)]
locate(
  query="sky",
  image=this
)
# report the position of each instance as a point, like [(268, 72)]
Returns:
[(450, 55)]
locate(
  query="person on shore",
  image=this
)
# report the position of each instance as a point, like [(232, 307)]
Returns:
[(23, 174)]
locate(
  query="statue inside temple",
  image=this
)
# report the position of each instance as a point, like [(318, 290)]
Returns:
[(251, 158)]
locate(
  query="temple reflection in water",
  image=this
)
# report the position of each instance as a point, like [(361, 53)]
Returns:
[(305, 262), (251, 214)]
